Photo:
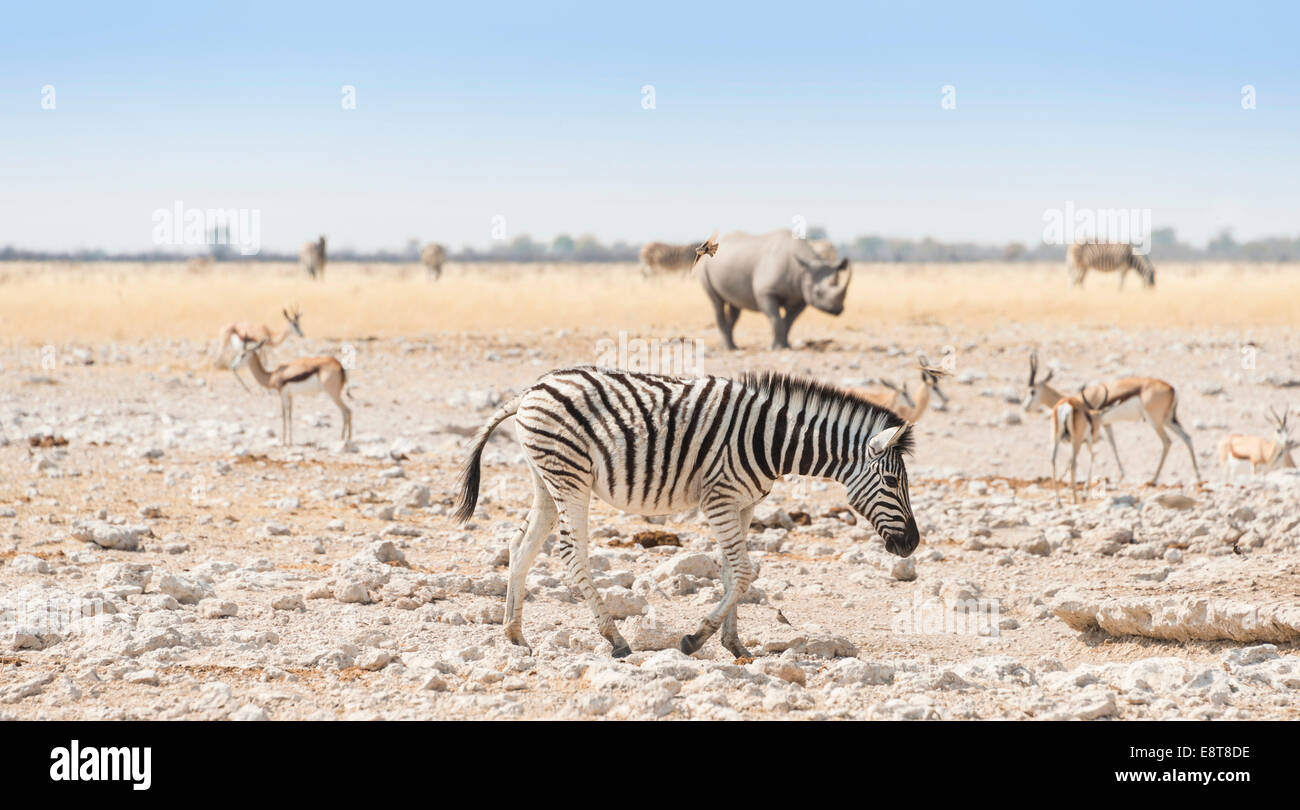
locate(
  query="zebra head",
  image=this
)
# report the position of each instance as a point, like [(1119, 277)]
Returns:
[(1145, 269), (878, 489)]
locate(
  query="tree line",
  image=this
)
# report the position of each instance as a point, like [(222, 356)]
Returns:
[(1165, 246)]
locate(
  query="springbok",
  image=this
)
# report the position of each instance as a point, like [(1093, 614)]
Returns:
[(1074, 420), (1107, 257), (237, 335), (900, 401), (1236, 452), (433, 257), (306, 375), (312, 258), (1130, 399)]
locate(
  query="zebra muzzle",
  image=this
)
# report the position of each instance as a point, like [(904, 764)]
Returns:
[(904, 544)]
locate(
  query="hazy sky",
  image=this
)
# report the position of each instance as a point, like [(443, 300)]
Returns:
[(534, 112)]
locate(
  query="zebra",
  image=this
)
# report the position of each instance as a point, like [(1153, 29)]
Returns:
[(654, 444), (1106, 257), (433, 257), (312, 257)]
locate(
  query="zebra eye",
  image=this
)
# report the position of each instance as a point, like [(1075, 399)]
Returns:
[(891, 481)]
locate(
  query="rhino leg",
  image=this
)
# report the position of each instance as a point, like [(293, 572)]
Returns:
[(726, 316), (791, 312), (780, 323)]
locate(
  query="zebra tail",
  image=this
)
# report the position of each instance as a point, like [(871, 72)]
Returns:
[(467, 500)]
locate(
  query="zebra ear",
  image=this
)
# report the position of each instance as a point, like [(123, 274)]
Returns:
[(885, 439)]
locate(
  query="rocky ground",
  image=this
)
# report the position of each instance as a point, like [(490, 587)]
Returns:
[(162, 556)]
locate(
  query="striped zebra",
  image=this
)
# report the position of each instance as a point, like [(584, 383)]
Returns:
[(1107, 257), (654, 445), (312, 258)]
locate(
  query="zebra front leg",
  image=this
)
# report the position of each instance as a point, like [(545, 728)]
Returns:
[(725, 519), (730, 636), (523, 551), (572, 549)]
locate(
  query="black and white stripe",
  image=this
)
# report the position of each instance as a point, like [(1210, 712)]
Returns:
[(1108, 257), (656, 445)]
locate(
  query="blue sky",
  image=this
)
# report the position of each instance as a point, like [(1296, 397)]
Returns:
[(534, 112)]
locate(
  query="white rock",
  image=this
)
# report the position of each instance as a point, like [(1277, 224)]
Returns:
[(217, 609), (185, 591)]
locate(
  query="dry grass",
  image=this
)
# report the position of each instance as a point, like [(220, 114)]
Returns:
[(68, 302)]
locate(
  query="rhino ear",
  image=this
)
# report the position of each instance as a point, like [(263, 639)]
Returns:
[(843, 264), (802, 262)]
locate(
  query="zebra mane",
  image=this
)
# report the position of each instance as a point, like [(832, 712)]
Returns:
[(820, 393)]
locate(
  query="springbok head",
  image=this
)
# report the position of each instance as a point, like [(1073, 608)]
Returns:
[(931, 375), (1034, 394), (248, 349), (294, 317), (1281, 432)]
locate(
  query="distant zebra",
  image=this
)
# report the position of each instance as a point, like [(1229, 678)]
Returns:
[(652, 444), (312, 258), (658, 257), (433, 257), (1107, 257)]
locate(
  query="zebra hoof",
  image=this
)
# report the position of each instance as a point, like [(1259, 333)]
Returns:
[(689, 645), (622, 652)]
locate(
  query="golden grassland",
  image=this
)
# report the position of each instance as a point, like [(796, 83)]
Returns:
[(59, 302)]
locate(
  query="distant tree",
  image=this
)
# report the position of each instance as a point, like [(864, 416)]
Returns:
[(563, 246), (1222, 246)]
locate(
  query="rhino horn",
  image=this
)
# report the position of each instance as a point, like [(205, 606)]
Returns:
[(848, 275)]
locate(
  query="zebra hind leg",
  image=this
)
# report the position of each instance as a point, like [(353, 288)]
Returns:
[(572, 549), (726, 522), (729, 634), (523, 551)]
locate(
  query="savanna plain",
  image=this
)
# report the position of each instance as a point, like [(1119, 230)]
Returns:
[(162, 555)]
